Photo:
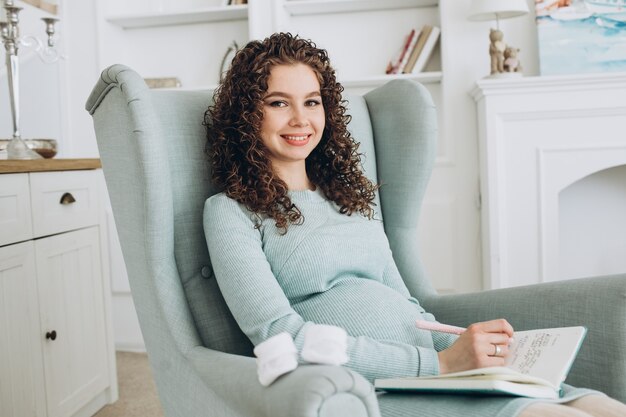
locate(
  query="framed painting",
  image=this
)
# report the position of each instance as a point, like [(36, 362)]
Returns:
[(581, 36)]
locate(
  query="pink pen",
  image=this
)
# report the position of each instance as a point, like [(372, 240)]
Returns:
[(438, 327)]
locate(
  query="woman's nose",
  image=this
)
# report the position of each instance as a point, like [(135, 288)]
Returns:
[(298, 117)]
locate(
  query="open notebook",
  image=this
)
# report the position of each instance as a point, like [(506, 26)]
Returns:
[(538, 362)]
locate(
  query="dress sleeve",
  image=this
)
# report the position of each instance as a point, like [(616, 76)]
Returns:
[(262, 310), (392, 279)]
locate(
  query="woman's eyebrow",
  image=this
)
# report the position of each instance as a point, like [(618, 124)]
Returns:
[(287, 95)]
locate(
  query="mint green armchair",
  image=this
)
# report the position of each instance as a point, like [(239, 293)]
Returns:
[(152, 144)]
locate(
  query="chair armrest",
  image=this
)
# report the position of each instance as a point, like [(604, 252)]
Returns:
[(597, 303), (308, 391)]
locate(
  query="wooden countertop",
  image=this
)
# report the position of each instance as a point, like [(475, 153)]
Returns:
[(8, 166)]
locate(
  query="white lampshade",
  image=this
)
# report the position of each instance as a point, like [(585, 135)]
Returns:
[(496, 9)]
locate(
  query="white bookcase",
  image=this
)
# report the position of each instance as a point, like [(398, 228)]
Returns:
[(209, 28)]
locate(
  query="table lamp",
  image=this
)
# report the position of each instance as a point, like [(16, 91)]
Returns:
[(482, 10)]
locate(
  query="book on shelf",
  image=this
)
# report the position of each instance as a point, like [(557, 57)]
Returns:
[(417, 49), (407, 53), (536, 366), (46, 5), (427, 50), (394, 64)]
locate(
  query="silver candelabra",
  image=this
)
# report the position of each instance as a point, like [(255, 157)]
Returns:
[(9, 29)]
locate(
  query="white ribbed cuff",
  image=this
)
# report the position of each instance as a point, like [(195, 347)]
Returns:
[(275, 356), (325, 344)]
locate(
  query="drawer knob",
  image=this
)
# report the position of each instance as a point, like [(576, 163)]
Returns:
[(51, 335), (67, 198)]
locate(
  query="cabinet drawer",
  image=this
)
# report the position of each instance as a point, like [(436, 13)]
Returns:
[(63, 201), (15, 220)]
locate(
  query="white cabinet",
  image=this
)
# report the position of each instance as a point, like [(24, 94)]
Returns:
[(56, 357)]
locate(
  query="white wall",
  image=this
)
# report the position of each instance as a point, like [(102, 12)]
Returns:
[(79, 29), (91, 44)]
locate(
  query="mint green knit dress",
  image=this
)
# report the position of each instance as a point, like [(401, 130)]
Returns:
[(334, 269)]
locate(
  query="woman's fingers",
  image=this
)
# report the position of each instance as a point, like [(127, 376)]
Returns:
[(501, 351), (498, 338), (491, 332), (494, 326)]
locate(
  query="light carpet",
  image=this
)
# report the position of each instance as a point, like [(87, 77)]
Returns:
[(137, 391)]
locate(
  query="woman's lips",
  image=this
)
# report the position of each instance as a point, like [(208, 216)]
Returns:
[(296, 140)]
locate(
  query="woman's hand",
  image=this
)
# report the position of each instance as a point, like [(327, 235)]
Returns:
[(476, 347)]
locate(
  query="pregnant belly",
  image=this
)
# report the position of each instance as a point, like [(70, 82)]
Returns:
[(366, 308)]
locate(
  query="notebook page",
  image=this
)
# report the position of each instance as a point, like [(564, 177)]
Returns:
[(545, 353)]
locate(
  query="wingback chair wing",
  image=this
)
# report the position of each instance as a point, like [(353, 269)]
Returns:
[(152, 143)]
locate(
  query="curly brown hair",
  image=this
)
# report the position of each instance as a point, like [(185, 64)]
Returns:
[(240, 161)]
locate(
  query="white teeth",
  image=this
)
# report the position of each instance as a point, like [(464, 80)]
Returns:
[(296, 137)]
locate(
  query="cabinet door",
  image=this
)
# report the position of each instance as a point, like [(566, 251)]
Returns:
[(71, 305), (21, 367), (15, 221)]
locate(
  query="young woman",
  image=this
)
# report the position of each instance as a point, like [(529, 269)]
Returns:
[(294, 239)]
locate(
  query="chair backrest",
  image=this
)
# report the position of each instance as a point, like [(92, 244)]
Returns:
[(152, 145)]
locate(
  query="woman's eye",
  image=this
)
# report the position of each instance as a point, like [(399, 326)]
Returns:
[(278, 104), (313, 103)]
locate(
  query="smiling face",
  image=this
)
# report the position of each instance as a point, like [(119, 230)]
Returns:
[(293, 117)]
